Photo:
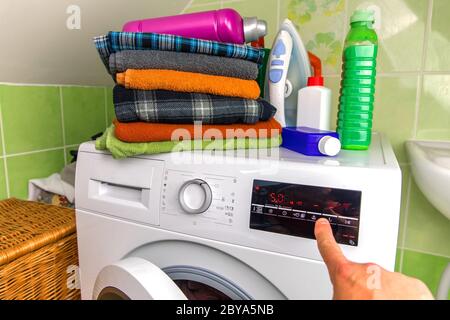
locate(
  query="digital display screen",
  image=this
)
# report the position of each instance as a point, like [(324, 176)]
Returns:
[(293, 209)]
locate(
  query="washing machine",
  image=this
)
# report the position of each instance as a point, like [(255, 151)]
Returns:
[(230, 225)]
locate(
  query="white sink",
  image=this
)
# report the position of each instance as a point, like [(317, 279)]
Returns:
[(430, 164)]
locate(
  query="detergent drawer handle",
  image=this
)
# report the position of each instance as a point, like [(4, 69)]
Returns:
[(118, 193)]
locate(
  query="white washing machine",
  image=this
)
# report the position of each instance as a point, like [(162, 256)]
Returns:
[(235, 224)]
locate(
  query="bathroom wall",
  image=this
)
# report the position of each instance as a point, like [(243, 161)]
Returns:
[(58, 37), (412, 101), (39, 125), (412, 94)]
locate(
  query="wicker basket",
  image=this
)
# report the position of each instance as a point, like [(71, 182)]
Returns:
[(38, 245)]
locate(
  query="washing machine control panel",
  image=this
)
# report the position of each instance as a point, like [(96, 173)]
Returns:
[(293, 209), (198, 198)]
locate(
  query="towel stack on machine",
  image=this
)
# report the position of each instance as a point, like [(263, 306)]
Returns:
[(169, 85)]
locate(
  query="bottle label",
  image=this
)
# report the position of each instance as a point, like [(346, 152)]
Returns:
[(358, 52)]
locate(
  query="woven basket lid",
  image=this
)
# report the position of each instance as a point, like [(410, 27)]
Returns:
[(26, 226)]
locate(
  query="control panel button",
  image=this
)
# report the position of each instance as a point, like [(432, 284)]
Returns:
[(275, 75), (258, 209), (195, 196), (277, 63), (331, 219), (348, 222), (279, 49)]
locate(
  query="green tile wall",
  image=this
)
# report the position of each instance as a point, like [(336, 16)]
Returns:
[(39, 125), (434, 109), (424, 266), (31, 118), (412, 98), (86, 106), (439, 38), (321, 28), (29, 166)]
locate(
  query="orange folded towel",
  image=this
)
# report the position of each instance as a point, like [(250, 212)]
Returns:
[(152, 132), (156, 79)]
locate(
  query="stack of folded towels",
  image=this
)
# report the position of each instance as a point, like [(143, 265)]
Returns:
[(166, 85)]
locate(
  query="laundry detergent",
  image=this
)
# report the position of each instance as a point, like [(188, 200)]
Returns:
[(354, 121)]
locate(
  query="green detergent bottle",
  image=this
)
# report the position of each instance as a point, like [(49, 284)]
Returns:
[(354, 123)]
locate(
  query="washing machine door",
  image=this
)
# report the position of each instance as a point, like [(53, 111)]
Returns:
[(135, 279), (203, 272)]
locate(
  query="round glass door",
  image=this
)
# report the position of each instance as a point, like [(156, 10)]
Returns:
[(135, 279), (182, 270), (202, 284)]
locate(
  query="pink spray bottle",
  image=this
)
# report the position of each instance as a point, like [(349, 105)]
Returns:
[(224, 25)]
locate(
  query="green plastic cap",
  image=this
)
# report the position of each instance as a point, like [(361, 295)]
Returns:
[(362, 16)]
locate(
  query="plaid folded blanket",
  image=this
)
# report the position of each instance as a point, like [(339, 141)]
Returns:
[(118, 41), (184, 107)]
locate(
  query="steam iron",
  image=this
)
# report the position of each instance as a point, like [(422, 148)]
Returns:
[(288, 70)]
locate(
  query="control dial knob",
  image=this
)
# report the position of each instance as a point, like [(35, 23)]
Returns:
[(195, 196)]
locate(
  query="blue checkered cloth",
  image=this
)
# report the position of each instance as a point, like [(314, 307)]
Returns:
[(118, 41), (184, 107)]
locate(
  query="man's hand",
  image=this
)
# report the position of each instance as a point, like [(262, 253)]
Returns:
[(363, 281)]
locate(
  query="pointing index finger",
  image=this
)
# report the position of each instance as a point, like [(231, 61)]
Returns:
[(329, 249)]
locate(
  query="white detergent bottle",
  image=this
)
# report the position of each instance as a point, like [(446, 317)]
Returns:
[(314, 105)]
